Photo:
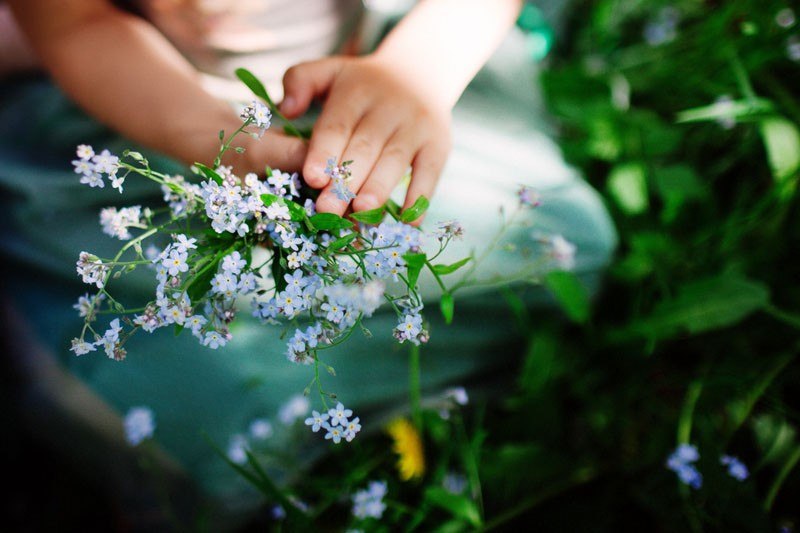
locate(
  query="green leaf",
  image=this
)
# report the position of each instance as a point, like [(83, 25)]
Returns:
[(253, 83), (341, 242), (740, 110), (178, 329), (294, 131), (415, 211), (296, 211), (782, 142), (269, 199), (201, 283), (278, 269), (704, 305), (392, 208), (209, 173), (414, 263), (570, 293), (459, 505), (447, 305), (330, 222), (373, 216), (677, 184), (443, 270), (628, 186)]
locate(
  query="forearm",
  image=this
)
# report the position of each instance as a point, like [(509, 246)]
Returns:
[(443, 43), (125, 74)]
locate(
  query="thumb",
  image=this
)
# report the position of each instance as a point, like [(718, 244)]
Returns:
[(305, 81)]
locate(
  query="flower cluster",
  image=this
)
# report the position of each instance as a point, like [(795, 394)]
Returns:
[(117, 222), (340, 175), (736, 468), (336, 422), (368, 503), (681, 461), (258, 114), (225, 239), (92, 167)]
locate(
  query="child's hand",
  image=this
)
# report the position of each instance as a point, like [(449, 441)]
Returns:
[(380, 120)]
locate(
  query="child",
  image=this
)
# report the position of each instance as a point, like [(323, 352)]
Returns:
[(386, 111)]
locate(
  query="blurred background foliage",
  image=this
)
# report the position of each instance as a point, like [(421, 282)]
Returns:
[(685, 116)]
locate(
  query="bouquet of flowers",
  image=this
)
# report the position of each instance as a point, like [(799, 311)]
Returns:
[(231, 238)]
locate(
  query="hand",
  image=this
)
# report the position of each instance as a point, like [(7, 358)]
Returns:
[(380, 120), (274, 148)]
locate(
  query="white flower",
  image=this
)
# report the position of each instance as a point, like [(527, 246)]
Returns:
[(214, 340), (117, 181), (176, 262), (91, 269), (184, 243), (105, 162), (339, 415), (369, 502), (316, 420), (116, 222), (563, 252), (84, 168), (139, 424), (334, 433), (233, 263), (196, 323), (93, 180), (237, 449), (458, 395), (85, 152), (351, 429), (260, 429), (80, 347), (296, 407)]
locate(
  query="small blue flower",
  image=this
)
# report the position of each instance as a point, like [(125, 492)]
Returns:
[(680, 461), (736, 468)]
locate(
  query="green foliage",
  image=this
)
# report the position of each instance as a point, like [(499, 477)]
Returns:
[(415, 211), (570, 294), (693, 141), (373, 216), (694, 335)]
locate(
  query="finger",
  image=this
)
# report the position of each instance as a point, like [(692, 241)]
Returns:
[(392, 165), (386, 173), (365, 146), (306, 81), (330, 136), (278, 151), (425, 171)]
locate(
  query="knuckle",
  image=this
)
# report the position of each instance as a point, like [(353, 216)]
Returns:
[(334, 128), (365, 202), (361, 144)]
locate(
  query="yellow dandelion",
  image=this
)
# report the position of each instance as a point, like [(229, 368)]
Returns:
[(408, 446)]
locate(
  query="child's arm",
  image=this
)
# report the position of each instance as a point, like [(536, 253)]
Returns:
[(127, 75), (391, 109)]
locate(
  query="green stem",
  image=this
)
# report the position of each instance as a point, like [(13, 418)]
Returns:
[(789, 319), (788, 466), (415, 391), (687, 412), (758, 391)]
